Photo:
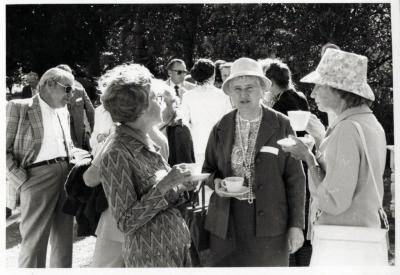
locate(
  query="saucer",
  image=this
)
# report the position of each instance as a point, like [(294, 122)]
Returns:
[(286, 142), (307, 139), (198, 177), (242, 191)]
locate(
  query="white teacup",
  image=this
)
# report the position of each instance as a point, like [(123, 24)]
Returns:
[(233, 184), (195, 168), (299, 119)]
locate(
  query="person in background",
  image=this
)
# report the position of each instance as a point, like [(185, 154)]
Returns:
[(283, 95), (180, 141), (218, 79), (39, 148), (284, 98), (176, 70), (142, 191), (225, 70), (261, 227), (203, 106), (340, 184), (81, 113), (30, 90)]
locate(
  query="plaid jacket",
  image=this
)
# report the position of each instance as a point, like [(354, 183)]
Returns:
[(23, 141)]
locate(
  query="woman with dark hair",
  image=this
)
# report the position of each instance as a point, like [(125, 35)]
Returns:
[(285, 98), (218, 79), (203, 106), (142, 191)]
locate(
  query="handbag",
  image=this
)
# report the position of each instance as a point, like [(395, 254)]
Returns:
[(352, 245), (195, 216)]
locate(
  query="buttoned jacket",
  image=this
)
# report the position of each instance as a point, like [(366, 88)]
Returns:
[(279, 182)]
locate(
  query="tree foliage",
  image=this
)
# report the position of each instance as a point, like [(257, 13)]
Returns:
[(100, 36)]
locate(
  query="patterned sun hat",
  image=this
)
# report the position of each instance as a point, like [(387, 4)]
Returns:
[(342, 70), (245, 67)]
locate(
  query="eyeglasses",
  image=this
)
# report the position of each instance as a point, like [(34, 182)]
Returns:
[(179, 72), (67, 89)]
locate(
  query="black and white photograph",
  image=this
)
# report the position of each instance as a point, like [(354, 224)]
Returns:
[(205, 136)]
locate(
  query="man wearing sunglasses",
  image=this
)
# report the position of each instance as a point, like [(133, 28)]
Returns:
[(38, 146), (177, 71)]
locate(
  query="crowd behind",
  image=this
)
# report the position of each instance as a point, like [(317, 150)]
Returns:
[(122, 168)]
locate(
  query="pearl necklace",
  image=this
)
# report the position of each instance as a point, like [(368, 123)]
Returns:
[(247, 161)]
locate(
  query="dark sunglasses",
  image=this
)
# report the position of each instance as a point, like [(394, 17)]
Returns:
[(67, 89), (179, 72)]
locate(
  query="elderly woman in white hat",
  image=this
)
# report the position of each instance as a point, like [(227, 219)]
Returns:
[(341, 184), (260, 225)]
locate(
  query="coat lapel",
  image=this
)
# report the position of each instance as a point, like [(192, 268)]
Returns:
[(268, 127), (35, 117), (226, 136)]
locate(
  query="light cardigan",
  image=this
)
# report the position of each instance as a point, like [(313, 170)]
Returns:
[(347, 194)]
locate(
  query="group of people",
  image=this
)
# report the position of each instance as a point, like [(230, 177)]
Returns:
[(145, 133)]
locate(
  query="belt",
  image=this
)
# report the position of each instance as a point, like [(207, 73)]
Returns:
[(47, 162)]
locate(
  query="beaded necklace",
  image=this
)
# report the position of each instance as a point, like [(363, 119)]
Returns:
[(247, 161)]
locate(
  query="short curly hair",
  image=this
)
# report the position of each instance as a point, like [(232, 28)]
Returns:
[(202, 70), (126, 92)]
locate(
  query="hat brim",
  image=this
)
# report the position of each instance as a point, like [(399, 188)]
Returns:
[(225, 85), (364, 91), (313, 77)]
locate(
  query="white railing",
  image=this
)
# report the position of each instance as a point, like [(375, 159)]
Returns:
[(392, 178)]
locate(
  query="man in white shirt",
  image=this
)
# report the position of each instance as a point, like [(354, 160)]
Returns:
[(177, 71), (38, 149)]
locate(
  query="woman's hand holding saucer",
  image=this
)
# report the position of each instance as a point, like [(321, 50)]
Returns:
[(299, 150), (179, 174)]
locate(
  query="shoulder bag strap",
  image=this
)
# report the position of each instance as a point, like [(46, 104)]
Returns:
[(364, 144)]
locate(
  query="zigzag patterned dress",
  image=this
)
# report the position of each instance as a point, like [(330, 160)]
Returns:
[(155, 234)]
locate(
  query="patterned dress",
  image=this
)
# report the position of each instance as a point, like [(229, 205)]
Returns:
[(155, 234)]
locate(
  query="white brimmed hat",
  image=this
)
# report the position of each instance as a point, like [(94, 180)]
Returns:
[(245, 67), (342, 70)]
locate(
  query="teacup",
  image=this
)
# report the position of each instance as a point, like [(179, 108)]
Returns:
[(233, 184), (195, 168), (299, 119)]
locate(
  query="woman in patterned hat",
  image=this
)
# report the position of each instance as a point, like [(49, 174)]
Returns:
[(340, 184), (263, 225), (142, 191)]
